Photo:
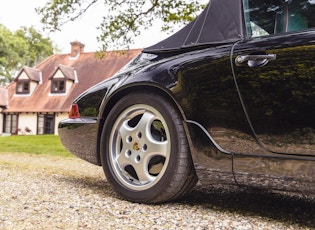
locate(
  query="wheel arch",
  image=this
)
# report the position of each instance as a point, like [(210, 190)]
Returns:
[(106, 108)]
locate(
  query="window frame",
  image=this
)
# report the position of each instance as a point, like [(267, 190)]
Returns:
[(23, 82), (10, 123), (58, 86), (45, 124), (297, 19)]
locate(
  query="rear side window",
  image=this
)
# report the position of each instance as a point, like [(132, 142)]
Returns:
[(278, 16)]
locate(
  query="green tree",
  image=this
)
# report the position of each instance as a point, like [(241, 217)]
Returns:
[(12, 49), (124, 19), (38, 48), (24, 47)]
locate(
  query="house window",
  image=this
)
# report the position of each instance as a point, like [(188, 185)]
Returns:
[(45, 124), (40, 124), (11, 123), (23, 87), (58, 86)]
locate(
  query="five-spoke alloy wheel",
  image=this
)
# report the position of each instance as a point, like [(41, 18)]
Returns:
[(144, 150)]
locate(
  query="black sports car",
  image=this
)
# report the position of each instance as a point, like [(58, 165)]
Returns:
[(229, 99)]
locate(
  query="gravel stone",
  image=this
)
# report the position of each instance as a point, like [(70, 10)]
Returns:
[(45, 192)]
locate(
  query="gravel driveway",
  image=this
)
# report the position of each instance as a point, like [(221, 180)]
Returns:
[(44, 192)]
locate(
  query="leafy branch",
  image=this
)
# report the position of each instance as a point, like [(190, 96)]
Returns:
[(124, 19)]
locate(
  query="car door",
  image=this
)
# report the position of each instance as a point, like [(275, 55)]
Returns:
[(275, 74)]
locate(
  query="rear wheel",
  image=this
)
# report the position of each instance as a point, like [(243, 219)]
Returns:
[(144, 150)]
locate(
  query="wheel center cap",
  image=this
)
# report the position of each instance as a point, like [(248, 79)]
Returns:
[(136, 147)]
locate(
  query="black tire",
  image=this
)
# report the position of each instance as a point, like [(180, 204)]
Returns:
[(144, 150)]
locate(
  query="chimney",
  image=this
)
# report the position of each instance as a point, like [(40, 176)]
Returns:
[(76, 48)]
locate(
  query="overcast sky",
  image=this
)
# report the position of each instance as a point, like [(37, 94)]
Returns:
[(17, 13)]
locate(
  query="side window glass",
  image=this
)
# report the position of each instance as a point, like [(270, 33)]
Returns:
[(278, 16), (257, 31)]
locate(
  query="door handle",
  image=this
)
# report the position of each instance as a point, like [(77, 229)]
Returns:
[(255, 60)]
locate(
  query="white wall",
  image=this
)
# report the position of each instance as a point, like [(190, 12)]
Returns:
[(69, 84), (24, 76), (27, 120), (59, 117), (33, 85)]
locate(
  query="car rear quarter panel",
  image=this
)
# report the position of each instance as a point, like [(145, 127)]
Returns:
[(80, 135)]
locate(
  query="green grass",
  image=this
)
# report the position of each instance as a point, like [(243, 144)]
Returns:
[(34, 144)]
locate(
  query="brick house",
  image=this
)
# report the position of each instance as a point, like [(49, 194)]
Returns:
[(41, 96)]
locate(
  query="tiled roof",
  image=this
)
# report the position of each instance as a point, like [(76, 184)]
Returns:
[(32, 73), (68, 72), (3, 97), (89, 69)]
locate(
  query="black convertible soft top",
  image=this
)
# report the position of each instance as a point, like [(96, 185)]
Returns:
[(220, 22)]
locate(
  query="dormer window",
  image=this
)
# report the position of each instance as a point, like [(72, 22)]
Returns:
[(23, 87), (58, 86), (27, 80), (62, 80)]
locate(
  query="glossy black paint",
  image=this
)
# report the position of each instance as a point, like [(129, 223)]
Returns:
[(279, 97), (280, 100), (80, 135), (249, 123)]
